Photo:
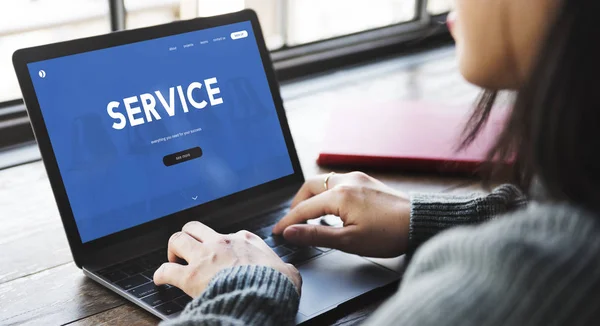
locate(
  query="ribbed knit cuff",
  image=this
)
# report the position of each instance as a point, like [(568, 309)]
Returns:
[(253, 295), (432, 213)]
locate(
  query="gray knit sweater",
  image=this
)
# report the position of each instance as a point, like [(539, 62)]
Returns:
[(537, 265)]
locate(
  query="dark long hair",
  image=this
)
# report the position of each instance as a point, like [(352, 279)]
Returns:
[(553, 132)]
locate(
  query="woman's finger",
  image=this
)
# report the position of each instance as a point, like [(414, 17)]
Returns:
[(319, 235), (307, 190), (317, 206), (184, 246), (315, 186), (170, 273), (200, 231)]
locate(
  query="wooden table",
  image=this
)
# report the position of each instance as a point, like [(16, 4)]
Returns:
[(40, 285)]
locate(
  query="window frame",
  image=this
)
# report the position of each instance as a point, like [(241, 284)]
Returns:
[(424, 31), (14, 124)]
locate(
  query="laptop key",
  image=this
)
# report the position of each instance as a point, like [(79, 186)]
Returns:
[(294, 248), (149, 273), (270, 242), (169, 308), (301, 256), (132, 268), (147, 264), (113, 276), (156, 257), (132, 282), (183, 301), (163, 296), (146, 289), (282, 251), (277, 215), (264, 233), (274, 241)]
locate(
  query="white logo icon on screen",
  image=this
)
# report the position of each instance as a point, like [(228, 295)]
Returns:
[(42, 74)]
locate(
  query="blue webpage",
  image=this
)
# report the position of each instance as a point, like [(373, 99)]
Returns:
[(148, 129)]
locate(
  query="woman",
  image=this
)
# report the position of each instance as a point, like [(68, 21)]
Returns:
[(538, 264)]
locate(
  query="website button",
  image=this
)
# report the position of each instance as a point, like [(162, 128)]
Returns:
[(238, 35), (183, 156)]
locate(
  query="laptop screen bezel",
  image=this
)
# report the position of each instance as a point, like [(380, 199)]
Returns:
[(23, 57)]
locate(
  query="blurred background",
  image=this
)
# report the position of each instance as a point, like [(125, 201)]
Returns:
[(287, 24)]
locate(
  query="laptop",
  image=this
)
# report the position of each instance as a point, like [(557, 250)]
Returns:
[(144, 130)]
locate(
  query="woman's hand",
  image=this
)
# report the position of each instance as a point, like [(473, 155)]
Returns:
[(376, 217), (207, 252)]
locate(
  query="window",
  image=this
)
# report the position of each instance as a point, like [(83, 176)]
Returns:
[(288, 23), (315, 20), (437, 7), (142, 13), (305, 36), (26, 23)]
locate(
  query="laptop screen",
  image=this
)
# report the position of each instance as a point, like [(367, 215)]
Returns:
[(148, 129)]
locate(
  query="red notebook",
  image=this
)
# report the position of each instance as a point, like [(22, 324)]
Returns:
[(409, 136)]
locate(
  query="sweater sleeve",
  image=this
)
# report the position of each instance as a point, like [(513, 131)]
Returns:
[(432, 213), (243, 295), (538, 266)]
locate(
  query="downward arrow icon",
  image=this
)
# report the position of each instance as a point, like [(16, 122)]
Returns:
[(194, 198)]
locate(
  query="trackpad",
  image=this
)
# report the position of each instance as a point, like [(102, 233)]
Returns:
[(336, 278)]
